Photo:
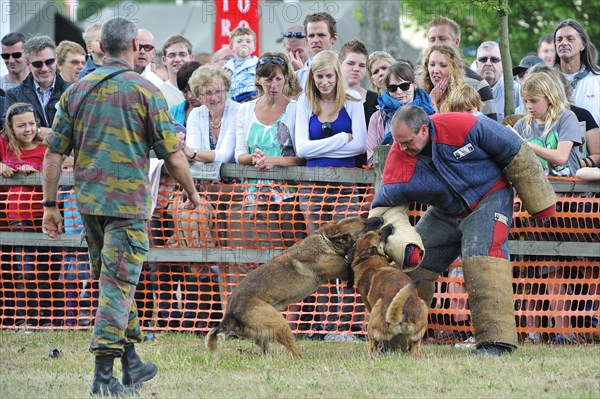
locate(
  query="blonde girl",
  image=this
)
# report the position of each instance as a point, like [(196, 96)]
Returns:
[(550, 127), (377, 66)]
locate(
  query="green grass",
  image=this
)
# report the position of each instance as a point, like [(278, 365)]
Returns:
[(328, 370)]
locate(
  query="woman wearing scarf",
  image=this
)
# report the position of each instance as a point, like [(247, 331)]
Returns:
[(401, 88)]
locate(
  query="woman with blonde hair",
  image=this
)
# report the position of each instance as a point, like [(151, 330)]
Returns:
[(444, 74), (550, 127), (211, 127), (330, 124), (377, 66)]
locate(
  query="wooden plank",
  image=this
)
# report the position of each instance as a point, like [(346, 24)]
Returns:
[(237, 255)]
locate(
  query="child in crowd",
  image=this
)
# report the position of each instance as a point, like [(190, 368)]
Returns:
[(243, 66), (550, 127), (21, 152), (465, 99)]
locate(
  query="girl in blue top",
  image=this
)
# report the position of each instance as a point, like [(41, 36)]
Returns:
[(330, 125)]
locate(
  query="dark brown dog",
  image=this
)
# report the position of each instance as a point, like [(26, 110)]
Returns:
[(253, 308), (389, 295)]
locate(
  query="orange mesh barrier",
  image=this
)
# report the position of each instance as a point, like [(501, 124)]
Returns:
[(556, 298)]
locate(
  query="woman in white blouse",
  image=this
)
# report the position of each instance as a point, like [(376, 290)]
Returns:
[(211, 127)]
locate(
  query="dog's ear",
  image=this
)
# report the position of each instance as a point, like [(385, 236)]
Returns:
[(368, 252), (344, 240)]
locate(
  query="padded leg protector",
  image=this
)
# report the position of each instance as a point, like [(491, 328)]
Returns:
[(527, 176), (489, 283), (404, 233), (427, 286)]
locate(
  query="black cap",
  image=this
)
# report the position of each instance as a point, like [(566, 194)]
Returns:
[(527, 63)]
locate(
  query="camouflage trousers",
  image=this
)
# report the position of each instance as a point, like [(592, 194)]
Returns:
[(117, 247)]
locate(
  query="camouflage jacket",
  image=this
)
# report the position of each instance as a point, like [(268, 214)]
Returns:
[(118, 123)]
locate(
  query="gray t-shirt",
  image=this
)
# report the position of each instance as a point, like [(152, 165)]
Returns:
[(565, 129), (5, 84)]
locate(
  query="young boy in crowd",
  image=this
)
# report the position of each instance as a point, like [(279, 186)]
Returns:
[(243, 65)]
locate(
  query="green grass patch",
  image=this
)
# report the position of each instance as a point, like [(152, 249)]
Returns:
[(328, 370)]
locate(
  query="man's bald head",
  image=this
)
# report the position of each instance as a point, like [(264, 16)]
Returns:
[(147, 50)]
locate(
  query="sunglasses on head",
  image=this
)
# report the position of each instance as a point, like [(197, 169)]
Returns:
[(19, 110), (296, 35), (146, 47), (16, 56), (39, 64), (378, 54), (277, 60), (326, 129), (403, 86), (494, 60)]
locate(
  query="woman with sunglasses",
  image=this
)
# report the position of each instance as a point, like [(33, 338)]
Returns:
[(400, 88), (330, 132), (265, 139), (21, 152)]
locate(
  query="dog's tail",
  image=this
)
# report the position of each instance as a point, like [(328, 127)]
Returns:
[(395, 314), (216, 337)]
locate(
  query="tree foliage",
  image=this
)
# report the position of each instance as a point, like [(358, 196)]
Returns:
[(528, 20)]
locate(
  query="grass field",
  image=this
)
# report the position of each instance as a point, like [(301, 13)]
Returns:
[(328, 370)]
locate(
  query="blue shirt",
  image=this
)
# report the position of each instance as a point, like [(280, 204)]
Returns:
[(343, 123)]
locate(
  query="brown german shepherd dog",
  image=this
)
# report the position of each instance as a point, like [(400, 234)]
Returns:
[(253, 308), (398, 317)]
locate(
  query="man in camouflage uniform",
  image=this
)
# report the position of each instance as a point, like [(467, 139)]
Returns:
[(111, 123)]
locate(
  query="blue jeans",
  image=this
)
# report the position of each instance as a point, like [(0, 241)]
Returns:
[(484, 232)]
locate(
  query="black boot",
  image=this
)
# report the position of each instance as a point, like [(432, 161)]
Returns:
[(135, 372), (104, 383), (492, 349)]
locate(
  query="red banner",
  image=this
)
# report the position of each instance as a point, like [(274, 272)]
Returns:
[(234, 13)]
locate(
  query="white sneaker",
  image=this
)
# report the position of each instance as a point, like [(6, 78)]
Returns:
[(466, 344)]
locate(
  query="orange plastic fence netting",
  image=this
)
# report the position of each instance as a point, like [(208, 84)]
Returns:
[(556, 298)]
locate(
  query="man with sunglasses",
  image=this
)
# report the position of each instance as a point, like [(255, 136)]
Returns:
[(146, 53), (43, 87), (489, 66), (296, 46), (12, 55)]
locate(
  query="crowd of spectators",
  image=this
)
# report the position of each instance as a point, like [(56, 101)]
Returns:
[(301, 105)]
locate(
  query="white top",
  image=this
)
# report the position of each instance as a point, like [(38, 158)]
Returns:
[(198, 131), (245, 117), (171, 93), (587, 94), (336, 146), (151, 76)]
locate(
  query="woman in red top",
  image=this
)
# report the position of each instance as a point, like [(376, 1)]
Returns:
[(21, 152)]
